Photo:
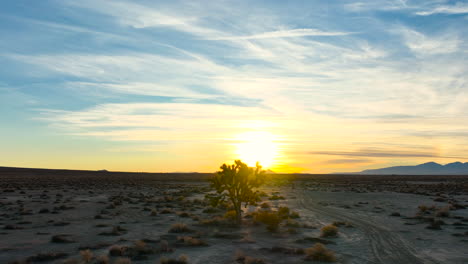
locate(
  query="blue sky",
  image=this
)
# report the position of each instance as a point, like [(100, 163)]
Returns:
[(183, 86)]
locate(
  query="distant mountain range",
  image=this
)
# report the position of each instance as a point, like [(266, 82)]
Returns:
[(429, 168)]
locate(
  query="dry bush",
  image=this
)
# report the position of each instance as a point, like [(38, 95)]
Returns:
[(183, 214), (216, 221), (329, 231), (320, 253), (283, 212), (191, 241), (294, 215), (116, 250), (140, 245), (242, 258), (230, 215), (86, 255), (292, 223), (166, 211), (252, 260), (179, 228), (443, 212), (269, 218)]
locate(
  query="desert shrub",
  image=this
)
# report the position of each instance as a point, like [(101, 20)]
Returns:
[(183, 214), (443, 212), (329, 231), (166, 211), (252, 260), (243, 259), (183, 259), (179, 228), (423, 208), (276, 197), (116, 250), (86, 255), (283, 212), (217, 221), (191, 241), (210, 210), (320, 253), (230, 215), (269, 218), (292, 223), (294, 215)]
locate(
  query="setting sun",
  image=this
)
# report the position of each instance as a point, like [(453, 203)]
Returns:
[(258, 146)]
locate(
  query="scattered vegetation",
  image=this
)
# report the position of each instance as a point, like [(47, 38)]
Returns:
[(320, 253), (183, 259), (179, 228), (329, 231)]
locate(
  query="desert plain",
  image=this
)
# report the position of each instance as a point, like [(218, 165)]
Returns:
[(51, 216)]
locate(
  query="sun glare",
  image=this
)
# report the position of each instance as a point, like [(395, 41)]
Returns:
[(258, 146)]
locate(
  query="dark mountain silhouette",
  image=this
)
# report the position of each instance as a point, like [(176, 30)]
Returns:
[(429, 168)]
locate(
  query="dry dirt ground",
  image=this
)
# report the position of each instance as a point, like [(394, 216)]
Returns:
[(108, 219)]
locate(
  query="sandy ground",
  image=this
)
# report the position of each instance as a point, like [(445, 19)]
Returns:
[(60, 220)]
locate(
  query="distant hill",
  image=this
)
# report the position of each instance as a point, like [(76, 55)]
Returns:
[(429, 168)]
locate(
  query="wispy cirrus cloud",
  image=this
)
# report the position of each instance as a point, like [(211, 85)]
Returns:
[(308, 72), (422, 44), (287, 33), (457, 8)]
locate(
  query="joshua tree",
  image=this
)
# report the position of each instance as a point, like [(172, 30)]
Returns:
[(239, 184)]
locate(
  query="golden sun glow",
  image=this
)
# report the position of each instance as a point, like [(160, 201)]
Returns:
[(258, 146)]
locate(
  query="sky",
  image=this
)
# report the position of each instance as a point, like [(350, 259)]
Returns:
[(182, 86)]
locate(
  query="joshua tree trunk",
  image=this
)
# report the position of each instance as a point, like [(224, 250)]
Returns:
[(238, 214)]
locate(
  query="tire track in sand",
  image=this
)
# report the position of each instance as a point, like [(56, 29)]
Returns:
[(387, 246)]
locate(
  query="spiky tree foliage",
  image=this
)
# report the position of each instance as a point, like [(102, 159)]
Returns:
[(237, 183)]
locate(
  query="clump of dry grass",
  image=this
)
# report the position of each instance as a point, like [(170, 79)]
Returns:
[(191, 241), (179, 228), (87, 255), (269, 218), (320, 253), (443, 212), (243, 259), (183, 259), (329, 231), (230, 215), (166, 211), (116, 250)]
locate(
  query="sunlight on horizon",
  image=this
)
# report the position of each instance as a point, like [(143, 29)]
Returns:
[(261, 146)]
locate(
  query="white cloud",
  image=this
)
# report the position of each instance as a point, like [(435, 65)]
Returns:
[(422, 44), (458, 8), (301, 32)]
